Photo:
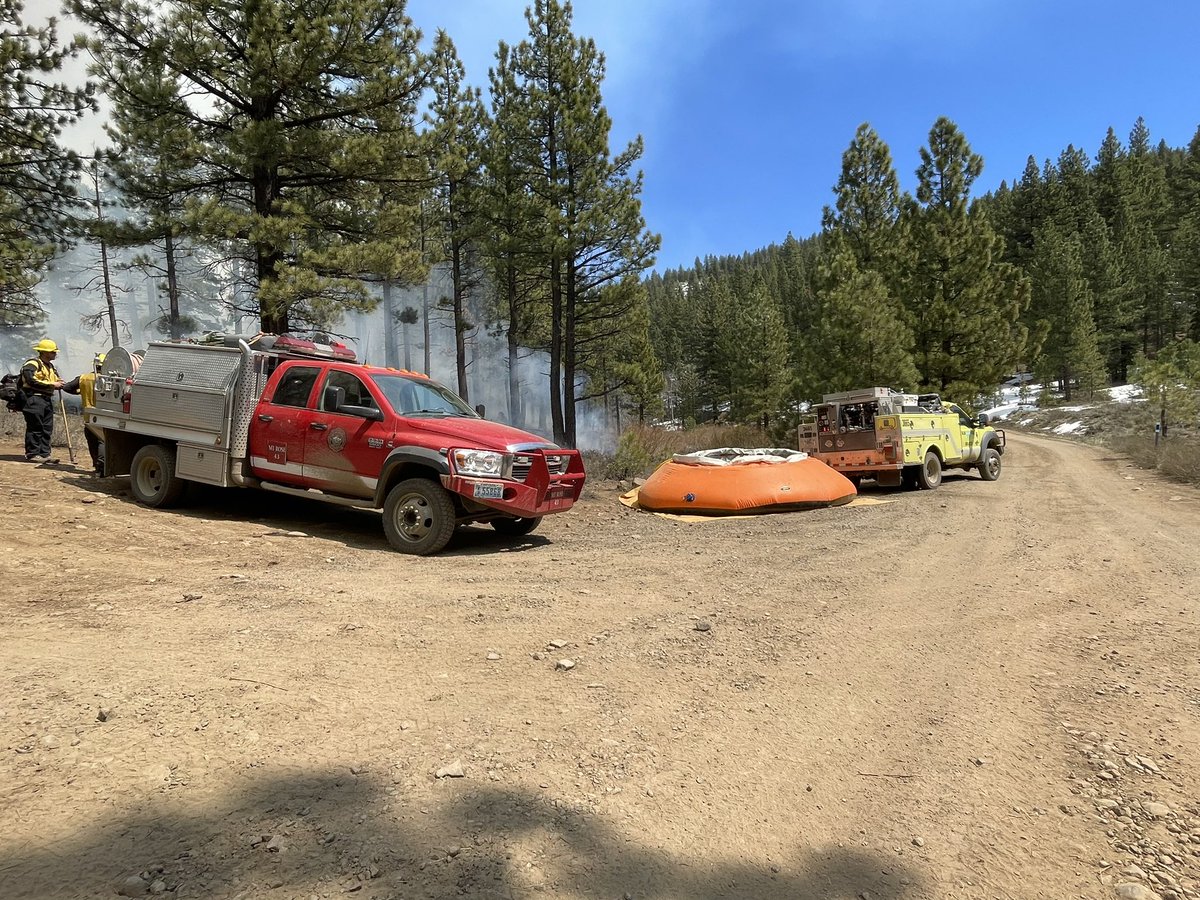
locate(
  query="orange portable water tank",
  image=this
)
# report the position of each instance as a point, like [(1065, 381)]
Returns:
[(732, 481)]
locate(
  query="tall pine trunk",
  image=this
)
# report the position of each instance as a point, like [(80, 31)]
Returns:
[(556, 351), (389, 326), (516, 415), (460, 323), (108, 297), (175, 330), (569, 356), (267, 259)]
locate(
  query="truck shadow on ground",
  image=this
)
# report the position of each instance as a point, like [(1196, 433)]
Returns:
[(949, 477), (329, 833), (359, 529)]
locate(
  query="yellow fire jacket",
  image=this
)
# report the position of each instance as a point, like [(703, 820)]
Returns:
[(39, 377)]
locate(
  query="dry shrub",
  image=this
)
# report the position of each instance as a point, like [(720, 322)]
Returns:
[(1140, 449), (643, 448), (1177, 456)]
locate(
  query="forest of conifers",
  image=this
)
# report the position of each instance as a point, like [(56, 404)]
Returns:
[(1084, 269), (293, 159)]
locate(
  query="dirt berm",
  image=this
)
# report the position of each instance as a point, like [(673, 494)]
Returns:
[(987, 691)]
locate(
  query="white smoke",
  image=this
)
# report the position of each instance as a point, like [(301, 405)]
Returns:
[(487, 363)]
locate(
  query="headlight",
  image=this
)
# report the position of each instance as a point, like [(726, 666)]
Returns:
[(479, 463)]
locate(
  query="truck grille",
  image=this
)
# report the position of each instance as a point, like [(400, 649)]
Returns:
[(522, 463)]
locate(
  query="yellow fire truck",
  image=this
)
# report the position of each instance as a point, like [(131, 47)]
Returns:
[(899, 438)]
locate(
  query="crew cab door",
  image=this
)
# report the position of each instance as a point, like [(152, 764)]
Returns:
[(970, 434), (348, 437), (280, 426)]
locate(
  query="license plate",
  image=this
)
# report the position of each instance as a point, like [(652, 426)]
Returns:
[(558, 493), (489, 491)]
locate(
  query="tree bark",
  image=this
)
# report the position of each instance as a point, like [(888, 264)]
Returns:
[(174, 328), (516, 416), (389, 326)]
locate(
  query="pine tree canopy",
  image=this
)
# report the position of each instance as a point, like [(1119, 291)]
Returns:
[(304, 120), (37, 187)]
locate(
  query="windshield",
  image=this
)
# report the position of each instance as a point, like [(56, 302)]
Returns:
[(409, 397)]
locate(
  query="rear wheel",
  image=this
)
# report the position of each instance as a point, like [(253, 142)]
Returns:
[(516, 527), (929, 476), (418, 517), (989, 464), (152, 477)]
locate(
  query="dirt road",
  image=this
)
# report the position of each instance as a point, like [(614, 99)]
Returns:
[(992, 690)]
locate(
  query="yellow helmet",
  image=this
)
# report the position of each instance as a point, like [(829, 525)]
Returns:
[(98, 361), (45, 345)]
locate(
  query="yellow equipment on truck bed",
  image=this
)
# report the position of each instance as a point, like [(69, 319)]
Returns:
[(899, 438)]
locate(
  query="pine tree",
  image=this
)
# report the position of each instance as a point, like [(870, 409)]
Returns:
[(152, 163), (592, 236), (1185, 247), (457, 123), (37, 193), (1144, 239), (716, 357), (1022, 213), (868, 202), (863, 337), (509, 234), (965, 304), (1064, 299), (760, 377), (304, 116), (1170, 380), (799, 265)]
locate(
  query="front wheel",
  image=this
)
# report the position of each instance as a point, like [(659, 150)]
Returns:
[(418, 517), (152, 477), (989, 464), (516, 527), (929, 476)]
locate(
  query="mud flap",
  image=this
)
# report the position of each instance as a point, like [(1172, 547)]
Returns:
[(888, 478)]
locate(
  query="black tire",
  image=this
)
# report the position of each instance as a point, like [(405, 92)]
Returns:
[(516, 527), (152, 477), (929, 476), (989, 464), (855, 480), (418, 517)]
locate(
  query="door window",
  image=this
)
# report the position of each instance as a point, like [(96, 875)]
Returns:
[(344, 389), (296, 387)]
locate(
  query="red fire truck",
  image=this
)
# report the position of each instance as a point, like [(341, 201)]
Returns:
[(301, 418)]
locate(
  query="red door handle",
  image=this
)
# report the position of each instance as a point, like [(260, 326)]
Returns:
[(318, 426), (265, 418)]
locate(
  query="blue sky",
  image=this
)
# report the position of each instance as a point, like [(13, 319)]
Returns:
[(746, 107)]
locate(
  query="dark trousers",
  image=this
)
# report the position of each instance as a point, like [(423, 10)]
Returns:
[(95, 447), (39, 424)]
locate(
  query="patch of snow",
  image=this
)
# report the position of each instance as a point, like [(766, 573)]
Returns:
[(1025, 423), (1126, 393), (1070, 428), (1008, 409), (1074, 408)]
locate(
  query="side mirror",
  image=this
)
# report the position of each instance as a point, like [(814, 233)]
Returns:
[(479, 410), (983, 420)]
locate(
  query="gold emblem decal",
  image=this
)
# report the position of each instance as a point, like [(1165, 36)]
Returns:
[(337, 440)]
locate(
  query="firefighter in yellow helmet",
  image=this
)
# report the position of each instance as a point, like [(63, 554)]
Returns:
[(38, 382), (85, 386)]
